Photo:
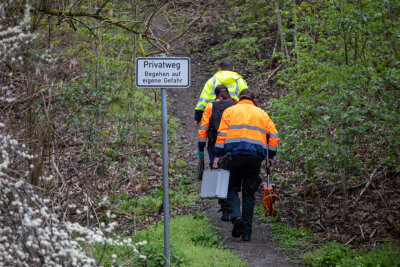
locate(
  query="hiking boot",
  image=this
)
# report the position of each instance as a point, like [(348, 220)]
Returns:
[(225, 217), (225, 214), (225, 209), (246, 237), (237, 227)]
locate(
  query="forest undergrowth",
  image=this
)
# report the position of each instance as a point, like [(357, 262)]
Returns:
[(76, 131), (328, 75), (78, 135)]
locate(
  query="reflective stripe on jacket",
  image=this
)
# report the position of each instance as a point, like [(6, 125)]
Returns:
[(233, 81), (243, 131), (205, 124)]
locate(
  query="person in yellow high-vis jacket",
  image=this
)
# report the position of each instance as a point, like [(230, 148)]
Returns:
[(226, 75), (248, 134)]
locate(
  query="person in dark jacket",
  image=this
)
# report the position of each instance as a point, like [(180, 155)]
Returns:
[(207, 131)]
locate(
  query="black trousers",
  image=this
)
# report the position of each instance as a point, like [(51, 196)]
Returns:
[(244, 176)]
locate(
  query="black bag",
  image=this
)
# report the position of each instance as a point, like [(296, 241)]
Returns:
[(215, 119)]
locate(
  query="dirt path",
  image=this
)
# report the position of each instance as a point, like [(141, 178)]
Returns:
[(260, 251)]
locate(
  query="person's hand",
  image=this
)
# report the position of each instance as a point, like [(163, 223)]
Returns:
[(271, 162), (196, 124), (200, 153), (215, 164)]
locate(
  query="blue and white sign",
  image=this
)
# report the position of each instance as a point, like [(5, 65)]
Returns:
[(163, 72)]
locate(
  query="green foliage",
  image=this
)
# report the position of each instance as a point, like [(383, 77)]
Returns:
[(259, 209), (183, 195), (246, 45), (154, 253), (125, 202), (343, 114), (203, 251), (330, 255), (335, 254), (184, 198), (148, 204), (291, 238), (109, 250), (206, 239)]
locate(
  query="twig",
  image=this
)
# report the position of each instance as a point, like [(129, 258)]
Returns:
[(384, 201), (63, 14), (277, 69), (332, 191), (96, 163), (394, 225), (190, 25), (56, 168), (365, 188), (274, 72), (320, 224), (373, 233), (348, 242), (102, 254), (362, 232)]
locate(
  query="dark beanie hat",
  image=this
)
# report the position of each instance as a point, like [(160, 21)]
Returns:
[(220, 88), (246, 94)]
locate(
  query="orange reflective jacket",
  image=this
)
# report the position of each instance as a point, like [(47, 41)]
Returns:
[(243, 131), (205, 124)]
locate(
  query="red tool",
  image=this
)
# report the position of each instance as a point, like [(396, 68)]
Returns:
[(269, 194)]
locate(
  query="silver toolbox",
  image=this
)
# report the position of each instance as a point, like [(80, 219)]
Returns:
[(215, 184)]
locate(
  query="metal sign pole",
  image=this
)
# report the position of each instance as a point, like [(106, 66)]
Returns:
[(164, 129), (163, 72)]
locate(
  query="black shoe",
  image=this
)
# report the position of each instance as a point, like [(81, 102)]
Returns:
[(246, 237), (225, 214), (225, 217), (237, 228), (225, 209)]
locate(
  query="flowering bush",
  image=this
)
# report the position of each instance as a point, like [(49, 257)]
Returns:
[(12, 36), (31, 233), (15, 38)]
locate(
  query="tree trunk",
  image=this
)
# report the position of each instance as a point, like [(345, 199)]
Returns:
[(280, 27), (344, 188)]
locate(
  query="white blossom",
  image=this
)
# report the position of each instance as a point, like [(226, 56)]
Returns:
[(37, 235)]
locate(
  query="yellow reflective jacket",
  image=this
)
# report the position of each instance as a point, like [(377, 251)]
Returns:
[(243, 131), (233, 81)]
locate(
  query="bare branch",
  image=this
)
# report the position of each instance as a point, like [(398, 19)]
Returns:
[(190, 25), (61, 14)]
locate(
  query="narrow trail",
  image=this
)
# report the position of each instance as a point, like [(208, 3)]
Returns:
[(261, 250)]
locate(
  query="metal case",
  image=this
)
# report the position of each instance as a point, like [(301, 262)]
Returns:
[(215, 184)]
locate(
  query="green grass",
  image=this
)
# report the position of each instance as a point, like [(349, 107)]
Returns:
[(259, 209), (325, 254), (183, 195), (334, 254), (292, 238), (194, 242)]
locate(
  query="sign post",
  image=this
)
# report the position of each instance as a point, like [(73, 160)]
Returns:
[(163, 72)]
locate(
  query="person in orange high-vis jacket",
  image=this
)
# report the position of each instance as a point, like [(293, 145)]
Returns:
[(208, 130), (243, 133)]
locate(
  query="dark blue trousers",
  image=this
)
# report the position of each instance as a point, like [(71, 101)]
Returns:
[(211, 156), (244, 176)]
